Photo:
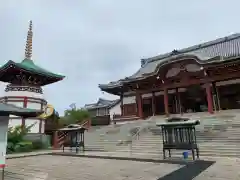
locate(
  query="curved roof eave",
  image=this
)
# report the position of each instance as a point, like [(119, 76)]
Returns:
[(111, 85), (197, 57), (49, 74), (216, 51)]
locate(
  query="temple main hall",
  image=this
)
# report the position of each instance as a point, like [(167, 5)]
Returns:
[(200, 78)]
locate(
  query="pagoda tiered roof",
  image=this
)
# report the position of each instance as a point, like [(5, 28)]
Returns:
[(29, 66), (11, 69)]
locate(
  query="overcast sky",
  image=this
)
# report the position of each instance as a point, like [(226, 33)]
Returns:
[(98, 41)]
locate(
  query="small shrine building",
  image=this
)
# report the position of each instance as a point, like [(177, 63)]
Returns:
[(26, 80), (204, 77)]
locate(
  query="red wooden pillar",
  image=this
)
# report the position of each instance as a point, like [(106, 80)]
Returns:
[(25, 106), (122, 108), (55, 140), (166, 101), (41, 120), (179, 102), (40, 126), (139, 105), (209, 98), (153, 104)]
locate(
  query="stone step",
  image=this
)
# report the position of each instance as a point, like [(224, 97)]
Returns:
[(157, 149), (201, 152), (198, 142), (179, 155), (200, 147), (198, 139)]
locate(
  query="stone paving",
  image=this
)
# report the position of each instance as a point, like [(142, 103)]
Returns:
[(81, 168), (76, 168)]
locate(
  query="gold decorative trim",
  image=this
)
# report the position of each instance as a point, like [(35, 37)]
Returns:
[(49, 110)]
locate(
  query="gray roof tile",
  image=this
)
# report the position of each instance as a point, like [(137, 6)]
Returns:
[(101, 104), (217, 50)]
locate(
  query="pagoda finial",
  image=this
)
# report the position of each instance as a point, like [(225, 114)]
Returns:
[(28, 48)]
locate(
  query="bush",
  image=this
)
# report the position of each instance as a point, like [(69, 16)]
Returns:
[(38, 144), (10, 147), (24, 146), (16, 142)]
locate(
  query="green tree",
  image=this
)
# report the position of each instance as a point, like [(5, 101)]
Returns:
[(73, 116), (16, 134), (15, 138)]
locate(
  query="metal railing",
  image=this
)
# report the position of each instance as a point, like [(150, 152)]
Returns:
[(142, 130), (136, 136)]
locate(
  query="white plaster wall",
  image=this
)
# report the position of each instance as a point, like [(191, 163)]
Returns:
[(34, 105), (223, 83), (19, 104), (14, 122), (182, 89), (43, 126), (171, 91), (28, 122), (159, 93), (24, 93), (115, 110), (129, 100), (35, 128), (146, 95)]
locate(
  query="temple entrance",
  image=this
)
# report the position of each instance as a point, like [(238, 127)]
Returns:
[(194, 99), (229, 96), (159, 104), (173, 103), (147, 107)]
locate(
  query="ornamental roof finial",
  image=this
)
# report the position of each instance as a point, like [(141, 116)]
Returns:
[(28, 48)]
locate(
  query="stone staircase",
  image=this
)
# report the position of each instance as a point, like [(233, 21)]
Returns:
[(218, 135), (112, 137)]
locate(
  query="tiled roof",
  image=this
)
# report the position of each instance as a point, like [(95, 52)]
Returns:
[(218, 50), (30, 66), (18, 111), (101, 104)]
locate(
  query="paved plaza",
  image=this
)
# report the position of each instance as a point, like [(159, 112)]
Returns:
[(76, 168), (81, 168)]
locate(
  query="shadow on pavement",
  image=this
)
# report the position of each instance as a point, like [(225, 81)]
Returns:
[(189, 171)]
